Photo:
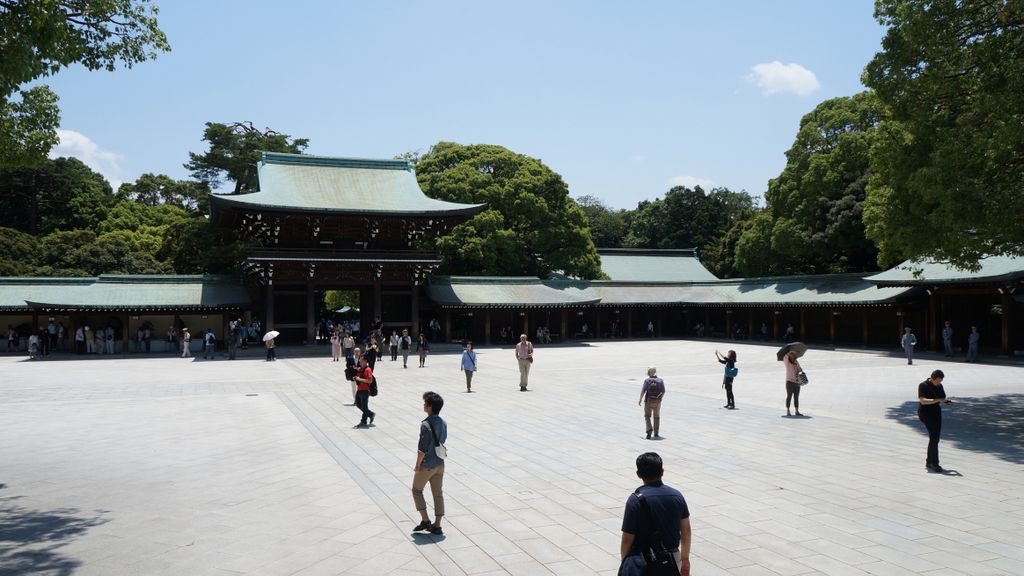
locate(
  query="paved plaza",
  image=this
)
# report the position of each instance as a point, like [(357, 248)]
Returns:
[(163, 465)]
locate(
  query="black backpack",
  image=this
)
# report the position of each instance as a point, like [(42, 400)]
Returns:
[(373, 386)]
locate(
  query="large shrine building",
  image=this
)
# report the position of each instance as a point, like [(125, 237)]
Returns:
[(321, 224)]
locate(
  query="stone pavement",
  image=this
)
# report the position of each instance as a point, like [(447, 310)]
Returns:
[(175, 466)]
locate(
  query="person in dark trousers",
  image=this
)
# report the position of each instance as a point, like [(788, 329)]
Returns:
[(271, 354), (792, 383), (665, 515), (931, 394), (363, 378), (730, 373), (429, 465)]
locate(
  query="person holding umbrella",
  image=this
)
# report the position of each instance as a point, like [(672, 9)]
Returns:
[(268, 340), (788, 355)]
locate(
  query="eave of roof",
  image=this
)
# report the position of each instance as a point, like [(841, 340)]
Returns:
[(994, 269)]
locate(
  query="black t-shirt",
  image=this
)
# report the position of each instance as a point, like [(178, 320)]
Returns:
[(932, 392)]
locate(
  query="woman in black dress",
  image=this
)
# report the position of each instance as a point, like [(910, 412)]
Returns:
[(730, 373)]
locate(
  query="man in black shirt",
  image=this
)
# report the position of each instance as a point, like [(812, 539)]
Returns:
[(931, 394), (665, 516)]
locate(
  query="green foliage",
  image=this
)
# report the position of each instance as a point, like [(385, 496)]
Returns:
[(337, 299), (607, 227), (720, 256), (234, 153), (532, 226), (157, 189), (59, 194), (193, 246), (949, 161), (130, 215), (40, 37), (818, 200), (28, 127), (687, 218), (18, 252), (753, 255)]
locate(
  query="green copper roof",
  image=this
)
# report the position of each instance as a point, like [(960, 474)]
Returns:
[(825, 290), (923, 273), (501, 292), (658, 265), (113, 292), (300, 183)]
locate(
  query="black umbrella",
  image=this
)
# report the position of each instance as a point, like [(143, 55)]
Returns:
[(798, 347)]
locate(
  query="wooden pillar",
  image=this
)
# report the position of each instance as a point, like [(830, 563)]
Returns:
[(565, 324), (750, 323), (124, 335), (707, 322), (415, 332), (832, 327), (268, 322), (1007, 334), (378, 307), (933, 322), (728, 324), (526, 324), (487, 326), (661, 322), (900, 321), (629, 322), (447, 337), (775, 325), (597, 322), (803, 326), (310, 314), (864, 325)]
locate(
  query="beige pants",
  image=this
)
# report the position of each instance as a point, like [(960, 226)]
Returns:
[(524, 372), (436, 478), (653, 407)]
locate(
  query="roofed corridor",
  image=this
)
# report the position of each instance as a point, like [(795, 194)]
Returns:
[(170, 466)]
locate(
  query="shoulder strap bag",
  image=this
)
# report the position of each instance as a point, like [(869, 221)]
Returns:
[(439, 448), (658, 559)]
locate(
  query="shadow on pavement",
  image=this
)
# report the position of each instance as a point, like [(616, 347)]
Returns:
[(992, 425), (30, 539)]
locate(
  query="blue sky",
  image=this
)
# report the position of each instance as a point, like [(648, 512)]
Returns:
[(622, 99)]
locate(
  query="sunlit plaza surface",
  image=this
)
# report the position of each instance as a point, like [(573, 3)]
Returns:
[(164, 465)]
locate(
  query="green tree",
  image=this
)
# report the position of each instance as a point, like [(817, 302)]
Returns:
[(39, 38), (949, 161), (157, 189), (753, 254), (58, 194), (337, 299), (18, 252), (62, 253), (193, 246), (687, 218), (130, 215), (607, 226), (234, 153), (817, 201), (531, 226), (720, 255)]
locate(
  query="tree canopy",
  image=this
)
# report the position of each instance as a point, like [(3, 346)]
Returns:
[(58, 194), (948, 162), (39, 38), (531, 226), (159, 189), (687, 218), (814, 223), (234, 153), (608, 227)]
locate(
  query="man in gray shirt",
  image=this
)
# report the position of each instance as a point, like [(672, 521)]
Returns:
[(429, 466)]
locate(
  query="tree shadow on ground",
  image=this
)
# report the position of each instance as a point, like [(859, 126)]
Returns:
[(30, 540), (992, 425)]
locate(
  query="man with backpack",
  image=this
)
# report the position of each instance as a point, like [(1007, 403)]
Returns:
[(405, 345), (655, 525), (210, 342), (653, 391)]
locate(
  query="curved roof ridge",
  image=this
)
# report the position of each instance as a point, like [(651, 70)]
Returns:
[(336, 161)]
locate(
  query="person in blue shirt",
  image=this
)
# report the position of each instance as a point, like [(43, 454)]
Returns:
[(468, 364), (429, 465)]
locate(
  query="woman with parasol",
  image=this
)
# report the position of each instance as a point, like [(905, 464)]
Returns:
[(268, 341), (788, 355)]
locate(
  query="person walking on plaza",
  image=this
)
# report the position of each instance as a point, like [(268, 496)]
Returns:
[(209, 343), (406, 346), (653, 391), (335, 346), (908, 341), (792, 381), (348, 344), (110, 339), (947, 339), (468, 364), (12, 345), (423, 348), (972, 344), (730, 373), (429, 467), (351, 368), (271, 349), (524, 356), (655, 524), (363, 379), (931, 394), (233, 335), (393, 345), (186, 343), (90, 343), (650, 329)]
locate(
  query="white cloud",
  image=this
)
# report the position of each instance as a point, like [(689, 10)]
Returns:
[(778, 78), (78, 145), (690, 182)]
